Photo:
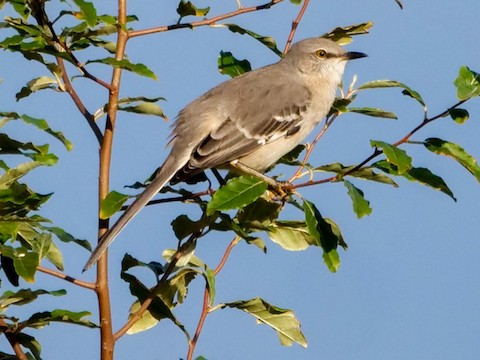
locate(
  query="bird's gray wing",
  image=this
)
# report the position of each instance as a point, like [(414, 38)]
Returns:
[(259, 116)]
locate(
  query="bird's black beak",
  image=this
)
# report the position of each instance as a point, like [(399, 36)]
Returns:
[(354, 55)]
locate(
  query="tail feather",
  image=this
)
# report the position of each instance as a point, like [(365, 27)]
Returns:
[(167, 171)]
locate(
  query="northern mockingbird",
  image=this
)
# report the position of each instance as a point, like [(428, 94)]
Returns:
[(253, 119)]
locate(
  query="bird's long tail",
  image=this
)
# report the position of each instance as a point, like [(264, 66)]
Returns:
[(168, 170)]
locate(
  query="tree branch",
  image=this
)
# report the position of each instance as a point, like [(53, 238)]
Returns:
[(13, 340), (85, 284), (78, 102), (211, 21), (206, 299), (295, 25)]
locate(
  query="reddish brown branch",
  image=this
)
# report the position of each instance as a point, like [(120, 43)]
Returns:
[(295, 25), (85, 284), (13, 340), (204, 22), (78, 102), (206, 300)]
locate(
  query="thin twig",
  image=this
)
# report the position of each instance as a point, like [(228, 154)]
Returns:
[(295, 25), (78, 102), (13, 340), (204, 22), (84, 284), (206, 299)]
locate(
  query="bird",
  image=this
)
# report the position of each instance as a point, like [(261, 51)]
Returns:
[(252, 119)]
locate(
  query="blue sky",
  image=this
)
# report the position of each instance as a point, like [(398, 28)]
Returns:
[(407, 286)]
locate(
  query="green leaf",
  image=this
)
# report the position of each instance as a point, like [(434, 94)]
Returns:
[(236, 193), (291, 158), (40, 83), (66, 237), (138, 69), (343, 35), (467, 83), (229, 65), (326, 234), (26, 264), (283, 321), (421, 175), (41, 319), (268, 41), (296, 2), (373, 112), (210, 277), (364, 173), (144, 108), (291, 235), (186, 8), (392, 83), (459, 115), (112, 203), (361, 207), (43, 125), (395, 156), (332, 260), (259, 214), (445, 148), (30, 343), (13, 175), (88, 11), (24, 296)]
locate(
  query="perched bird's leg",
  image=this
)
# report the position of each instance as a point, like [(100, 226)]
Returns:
[(280, 188), (249, 171)]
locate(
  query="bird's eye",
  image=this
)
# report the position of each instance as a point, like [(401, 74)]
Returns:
[(321, 54)]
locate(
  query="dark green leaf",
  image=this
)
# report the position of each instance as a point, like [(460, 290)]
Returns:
[(283, 321), (229, 65), (138, 69), (421, 175), (237, 193), (112, 203), (259, 214), (467, 83), (31, 344), (88, 11), (392, 83), (268, 41), (291, 158), (361, 206), (186, 8), (395, 156), (363, 173), (41, 319), (25, 296), (343, 35), (296, 2), (373, 112), (459, 115), (326, 234), (442, 147)]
